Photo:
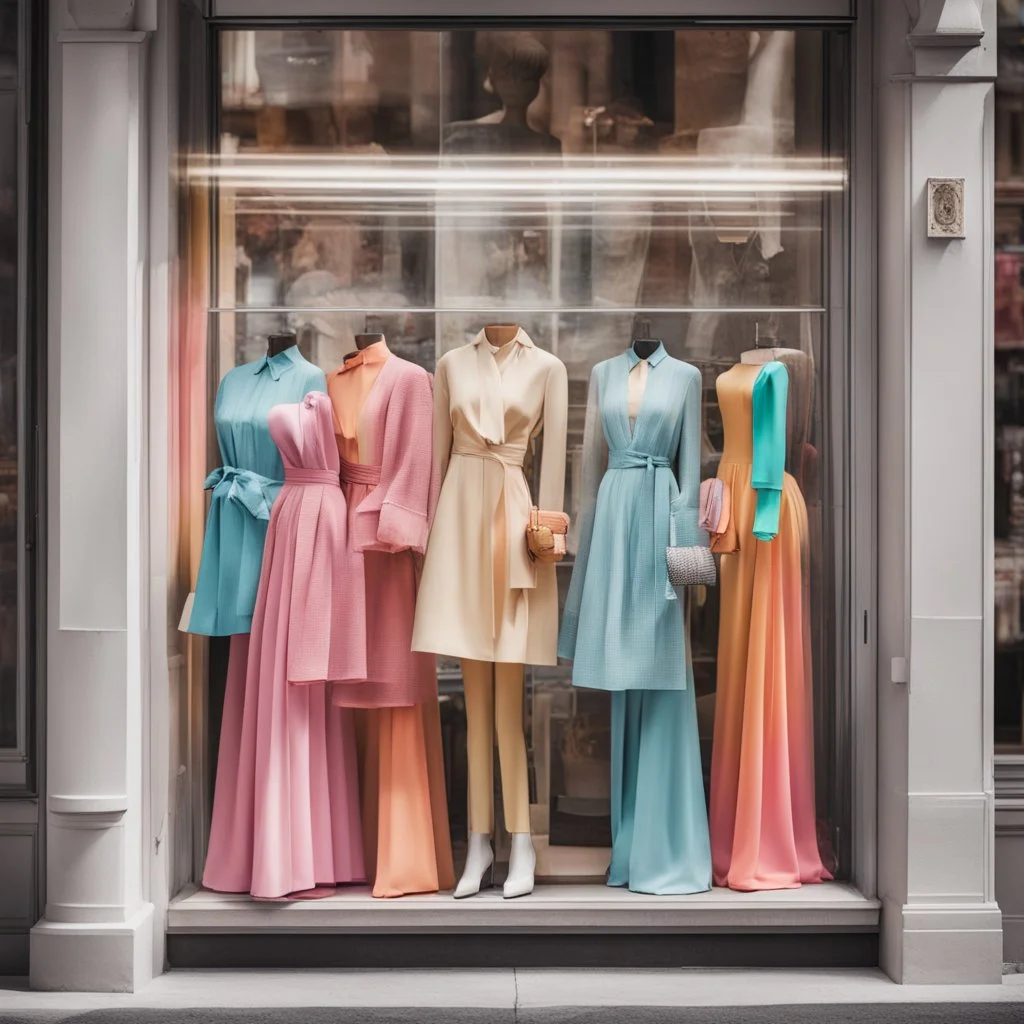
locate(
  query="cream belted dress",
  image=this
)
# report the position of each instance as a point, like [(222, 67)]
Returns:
[(481, 597)]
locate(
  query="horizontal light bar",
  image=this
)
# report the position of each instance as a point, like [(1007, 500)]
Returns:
[(488, 310), (572, 220), (522, 177)]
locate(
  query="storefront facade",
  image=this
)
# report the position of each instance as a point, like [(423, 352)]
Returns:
[(206, 191)]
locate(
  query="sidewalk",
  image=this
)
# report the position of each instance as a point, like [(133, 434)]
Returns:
[(526, 996)]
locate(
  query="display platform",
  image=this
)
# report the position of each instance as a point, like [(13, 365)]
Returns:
[(832, 906)]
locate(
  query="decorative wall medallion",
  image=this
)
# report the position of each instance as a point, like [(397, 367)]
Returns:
[(946, 208)]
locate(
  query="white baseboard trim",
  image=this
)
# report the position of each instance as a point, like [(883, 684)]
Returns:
[(92, 957)]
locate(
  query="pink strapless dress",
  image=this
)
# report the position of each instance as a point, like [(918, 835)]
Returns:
[(286, 820)]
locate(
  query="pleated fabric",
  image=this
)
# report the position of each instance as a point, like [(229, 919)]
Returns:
[(383, 409), (763, 829), (288, 820), (405, 806), (228, 862), (659, 819)]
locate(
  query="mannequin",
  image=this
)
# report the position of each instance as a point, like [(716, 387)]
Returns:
[(801, 457), (494, 703), (280, 342), (761, 354), (730, 266), (762, 806), (364, 341), (500, 259), (644, 346), (623, 626), (499, 335), (481, 599), (802, 465), (516, 68), (227, 587), (383, 410)]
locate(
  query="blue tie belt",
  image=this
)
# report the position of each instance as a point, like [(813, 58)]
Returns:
[(254, 494), (244, 487), (658, 480)]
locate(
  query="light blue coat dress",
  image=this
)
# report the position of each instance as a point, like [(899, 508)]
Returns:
[(623, 626), (244, 488)]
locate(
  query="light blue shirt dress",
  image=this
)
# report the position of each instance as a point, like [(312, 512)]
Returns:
[(244, 487), (623, 626)]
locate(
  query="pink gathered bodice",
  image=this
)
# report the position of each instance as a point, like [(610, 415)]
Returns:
[(304, 434)]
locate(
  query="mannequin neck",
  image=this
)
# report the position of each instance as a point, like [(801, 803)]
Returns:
[(278, 343), (645, 347), (501, 334), (760, 356), (366, 340)]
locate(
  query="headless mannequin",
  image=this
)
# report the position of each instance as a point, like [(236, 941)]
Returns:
[(494, 703), (643, 344), (801, 457), (761, 354), (644, 348), (280, 342)]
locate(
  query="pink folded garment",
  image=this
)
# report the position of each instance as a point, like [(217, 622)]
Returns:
[(710, 505)]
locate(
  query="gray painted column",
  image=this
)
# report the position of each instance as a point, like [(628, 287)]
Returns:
[(935, 63), (97, 932)]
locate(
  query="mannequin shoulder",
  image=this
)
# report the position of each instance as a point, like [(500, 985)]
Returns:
[(453, 357), (553, 366), (688, 374), (410, 377)]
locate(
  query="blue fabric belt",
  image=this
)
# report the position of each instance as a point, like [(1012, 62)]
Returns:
[(658, 480), (254, 494), (245, 487)]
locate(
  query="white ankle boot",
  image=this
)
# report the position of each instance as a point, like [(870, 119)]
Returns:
[(479, 858), (521, 864)]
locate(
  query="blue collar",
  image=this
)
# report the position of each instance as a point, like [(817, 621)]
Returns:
[(657, 356), (279, 364)]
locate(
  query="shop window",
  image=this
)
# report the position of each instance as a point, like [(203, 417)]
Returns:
[(593, 187), (1009, 382), (12, 697)]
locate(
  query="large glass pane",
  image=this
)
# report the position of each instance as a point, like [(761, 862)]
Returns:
[(593, 186), (10, 712), (1009, 382)]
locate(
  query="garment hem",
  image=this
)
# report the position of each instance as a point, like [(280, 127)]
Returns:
[(487, 656), (652, 891), (192, 631), (630, 689)]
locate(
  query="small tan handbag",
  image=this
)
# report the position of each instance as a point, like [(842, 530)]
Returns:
[(545, 536)]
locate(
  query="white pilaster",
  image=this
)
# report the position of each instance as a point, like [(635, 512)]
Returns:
[(97, 932), (936, 62)]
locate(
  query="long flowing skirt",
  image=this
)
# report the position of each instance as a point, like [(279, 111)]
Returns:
[(405, 805), (286, 811), (763, 832), (659, 816)]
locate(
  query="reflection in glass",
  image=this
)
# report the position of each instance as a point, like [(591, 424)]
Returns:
[(577, 182), (9, 319), (1009, 381)]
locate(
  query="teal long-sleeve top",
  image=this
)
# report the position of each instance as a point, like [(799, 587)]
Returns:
[(770, 395), (622, 625), (244, 488)]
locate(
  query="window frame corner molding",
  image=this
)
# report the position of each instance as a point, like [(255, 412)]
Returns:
[(951, 24)]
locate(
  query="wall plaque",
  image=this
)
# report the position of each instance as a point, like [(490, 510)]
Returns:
[(946, 208)]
